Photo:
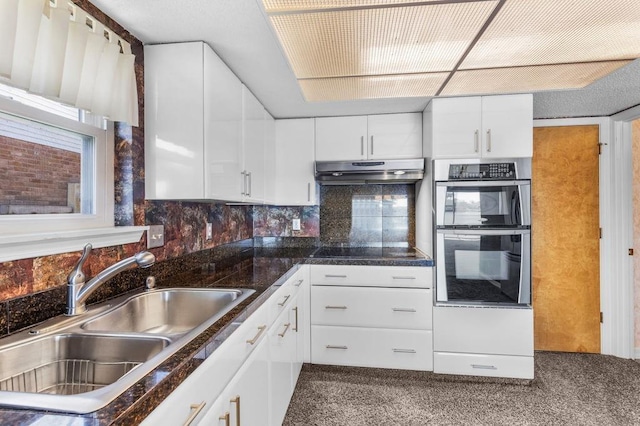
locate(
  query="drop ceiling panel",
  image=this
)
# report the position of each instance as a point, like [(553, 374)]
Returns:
[(396, 40), (285, 6), (371, 87), (558, 31), (528, 79)]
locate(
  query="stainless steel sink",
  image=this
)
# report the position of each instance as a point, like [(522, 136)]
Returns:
[(67, 364), (79, 364), (167, 312)]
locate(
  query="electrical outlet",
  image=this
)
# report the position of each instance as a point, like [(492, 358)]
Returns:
[(295, 224), (155, 236), (209, 231)]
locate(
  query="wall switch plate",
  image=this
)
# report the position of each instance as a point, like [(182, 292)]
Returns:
[(295, 224), (209, 231), (155, 236)]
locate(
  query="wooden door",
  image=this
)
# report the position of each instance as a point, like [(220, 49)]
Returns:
[(566, 239)]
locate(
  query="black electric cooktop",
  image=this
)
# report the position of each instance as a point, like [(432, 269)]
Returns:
[(364, 252)]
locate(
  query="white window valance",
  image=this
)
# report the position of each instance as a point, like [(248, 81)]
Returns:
[(57, 50)]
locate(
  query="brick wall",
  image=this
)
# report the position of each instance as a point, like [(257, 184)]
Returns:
[(35, 174)]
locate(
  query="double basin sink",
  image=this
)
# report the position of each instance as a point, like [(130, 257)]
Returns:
[(80, 364)]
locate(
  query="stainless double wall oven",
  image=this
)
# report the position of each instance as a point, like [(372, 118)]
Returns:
[(483, 231)]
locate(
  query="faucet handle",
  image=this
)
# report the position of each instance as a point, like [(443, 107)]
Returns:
[(76, 276)]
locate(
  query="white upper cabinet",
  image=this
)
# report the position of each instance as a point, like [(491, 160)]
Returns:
[(295, 180), (395, 136), (387, 136), (174, 121), (253, 135), (206, 135), (479, 127), (223, 130)]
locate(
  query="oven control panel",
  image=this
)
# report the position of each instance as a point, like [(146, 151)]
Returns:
[(485, 171)]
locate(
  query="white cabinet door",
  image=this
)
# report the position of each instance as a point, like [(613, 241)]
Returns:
[(456, 126), (174, 130), (253, 118), (269, 159), (282, 354), (507, 126), (247, 395), (395, 136), (223, 130), (341, 138), (295, 180)]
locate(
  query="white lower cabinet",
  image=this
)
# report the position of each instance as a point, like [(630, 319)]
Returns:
[(372, 316), (282, 351)]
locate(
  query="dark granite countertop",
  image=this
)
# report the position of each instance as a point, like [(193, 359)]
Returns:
[(261, 269)]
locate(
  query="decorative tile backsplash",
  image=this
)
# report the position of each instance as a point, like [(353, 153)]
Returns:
[(274, 221), (367, 215)]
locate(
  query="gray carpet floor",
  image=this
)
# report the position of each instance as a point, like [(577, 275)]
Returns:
[(568, 389)]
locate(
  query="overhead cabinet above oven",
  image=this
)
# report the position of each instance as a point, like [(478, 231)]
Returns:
[(479, 127), (372, 137)]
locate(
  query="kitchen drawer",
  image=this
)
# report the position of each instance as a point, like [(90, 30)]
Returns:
[(372, 276), (498, 331), (371, 347), (518, 367), (372, 307), (280, 299)]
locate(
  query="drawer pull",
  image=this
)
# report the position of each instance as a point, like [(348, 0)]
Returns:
[(195, 410), (336, 347), (299, 283), (335, 276), (286, 328), (403, 278), (284, 300), (403, 309), (404, 351), (484, 367), (226, 418), (236, 401), (335, 307), (296, 327), (261, 330)]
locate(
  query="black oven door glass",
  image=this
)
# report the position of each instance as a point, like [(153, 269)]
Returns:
[(486, 206), (483, 268)]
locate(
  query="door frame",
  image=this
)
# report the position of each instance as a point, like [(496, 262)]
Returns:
[(616, 283)]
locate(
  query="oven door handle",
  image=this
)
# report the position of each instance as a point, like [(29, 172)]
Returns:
[(483, 183), (510, 231)]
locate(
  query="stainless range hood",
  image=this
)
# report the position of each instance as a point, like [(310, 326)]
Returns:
[(369, 171)]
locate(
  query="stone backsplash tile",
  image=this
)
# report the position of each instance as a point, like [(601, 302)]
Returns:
[(34, 308), (4, 326), (16, 278), (276, 221), (367, 215)]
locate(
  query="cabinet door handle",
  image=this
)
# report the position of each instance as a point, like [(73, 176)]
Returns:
[(361, 145), (404, 351), (286, 328), (476, 140), (403, 309), (399, 277), (249, 184), (284, 300), (195, 410), (244, 183), (489, 140), (371, 144), (309, 191), (335, 307), (483, 367), (226, 418), (261, 330), (336, 347), (334, 276), (296, 311), (236, 401), (299, 283)]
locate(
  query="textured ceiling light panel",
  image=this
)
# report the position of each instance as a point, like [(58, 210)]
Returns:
[(528, 79), (395, 40), (371, 87), (527, 32), (284, 6)]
